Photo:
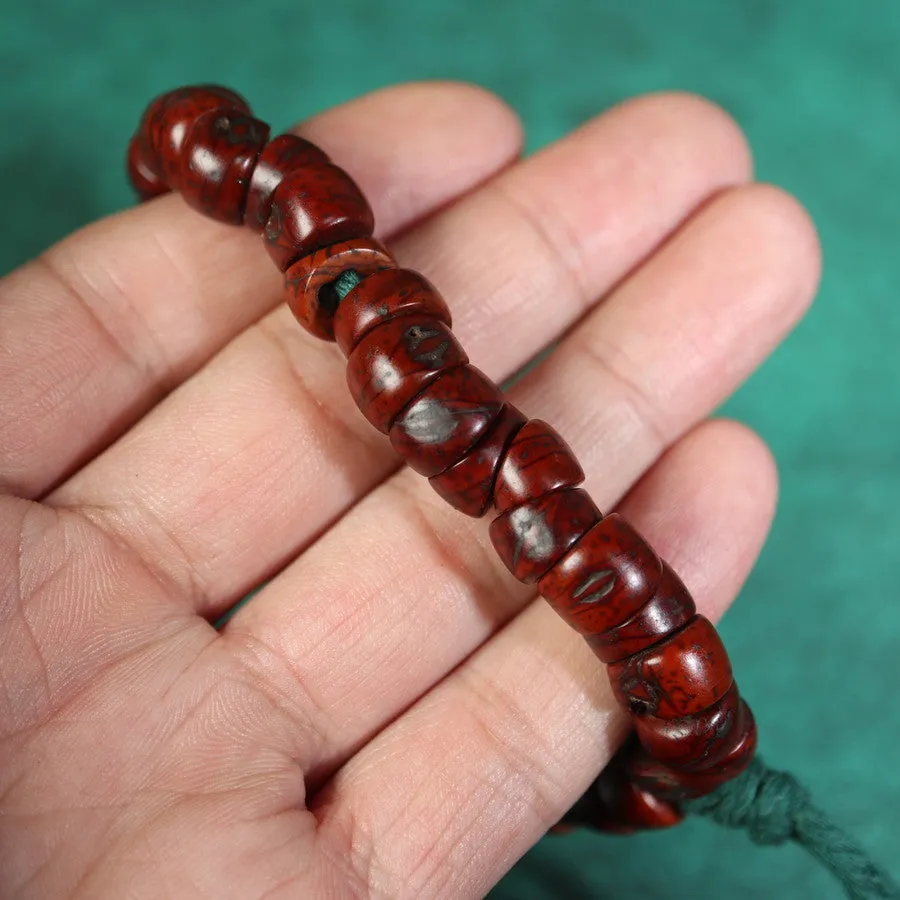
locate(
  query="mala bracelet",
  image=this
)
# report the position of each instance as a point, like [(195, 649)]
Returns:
[(694, 738), (412, 380)]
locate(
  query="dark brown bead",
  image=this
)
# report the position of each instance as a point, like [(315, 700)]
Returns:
[(531, 537), (697, 741), (313, 207), (639, 810), (283, 154), (604, 579), (538, 461), (670, 607), (682, 674), (219, 153), (469, 485), (169, 117), (383, 296), (309, 282), (683, 784), (615, 803), (446, 420), (143, 179), (633, 809), (738, 751), (395, 361)]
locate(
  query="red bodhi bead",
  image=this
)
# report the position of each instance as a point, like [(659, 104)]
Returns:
[(469, 484), (282, 155), (604, 579), (532, 536), (448, 417), (697, 741), (538, 461), (219, 154), (309, 282), (384, 296), (684, 673), (395, 361), (670, 607), (683, 784), (168, 118), (313, 207), (143, 178)]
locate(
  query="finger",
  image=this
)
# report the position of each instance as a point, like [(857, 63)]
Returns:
[(424, 587), (565, 225), (459, 787), (97, 329)]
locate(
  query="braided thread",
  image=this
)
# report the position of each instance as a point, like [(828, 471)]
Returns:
[(345, 282), (773, 807)]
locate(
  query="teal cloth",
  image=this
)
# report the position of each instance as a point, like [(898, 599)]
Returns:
[(815, 86)]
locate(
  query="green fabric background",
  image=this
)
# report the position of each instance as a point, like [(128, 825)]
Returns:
[(816, 85)]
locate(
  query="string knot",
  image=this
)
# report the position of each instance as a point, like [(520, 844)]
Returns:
[(762, 801), (773, 808)]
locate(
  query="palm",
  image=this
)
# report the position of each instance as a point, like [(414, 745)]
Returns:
[(391, 715)]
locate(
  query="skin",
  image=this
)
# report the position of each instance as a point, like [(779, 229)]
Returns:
[(392, 715)]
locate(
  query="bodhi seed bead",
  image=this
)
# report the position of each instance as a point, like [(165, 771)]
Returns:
[(531, 537), (395, 361), (469, 484), (382, 296), (313, 207), (282, 155), (219, 153), (309, 282), (682, 674), (447, 418), (168, 118)]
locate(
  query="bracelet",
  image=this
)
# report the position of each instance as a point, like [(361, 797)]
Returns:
[(412, 380)]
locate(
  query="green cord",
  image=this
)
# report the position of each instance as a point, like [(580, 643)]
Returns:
[(774, 807), (345, 282)]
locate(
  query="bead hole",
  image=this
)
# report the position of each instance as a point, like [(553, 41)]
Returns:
[(329, 298)]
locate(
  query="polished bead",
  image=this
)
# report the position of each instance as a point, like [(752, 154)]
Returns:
[(532, 536), (309, 282), (614, 803), (670, 607), (682, 674), (637, 809), (395, 361), (632, 809), (676, 784), (218, 157), (283, 154), (739, 748), (446, 420), (604, 579), (696, 741), (538, 461), (313, 207), (169, 117), (469, 484), (143, 178), (383, 296)]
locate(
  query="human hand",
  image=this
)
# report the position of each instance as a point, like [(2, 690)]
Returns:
[(392, 715)]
